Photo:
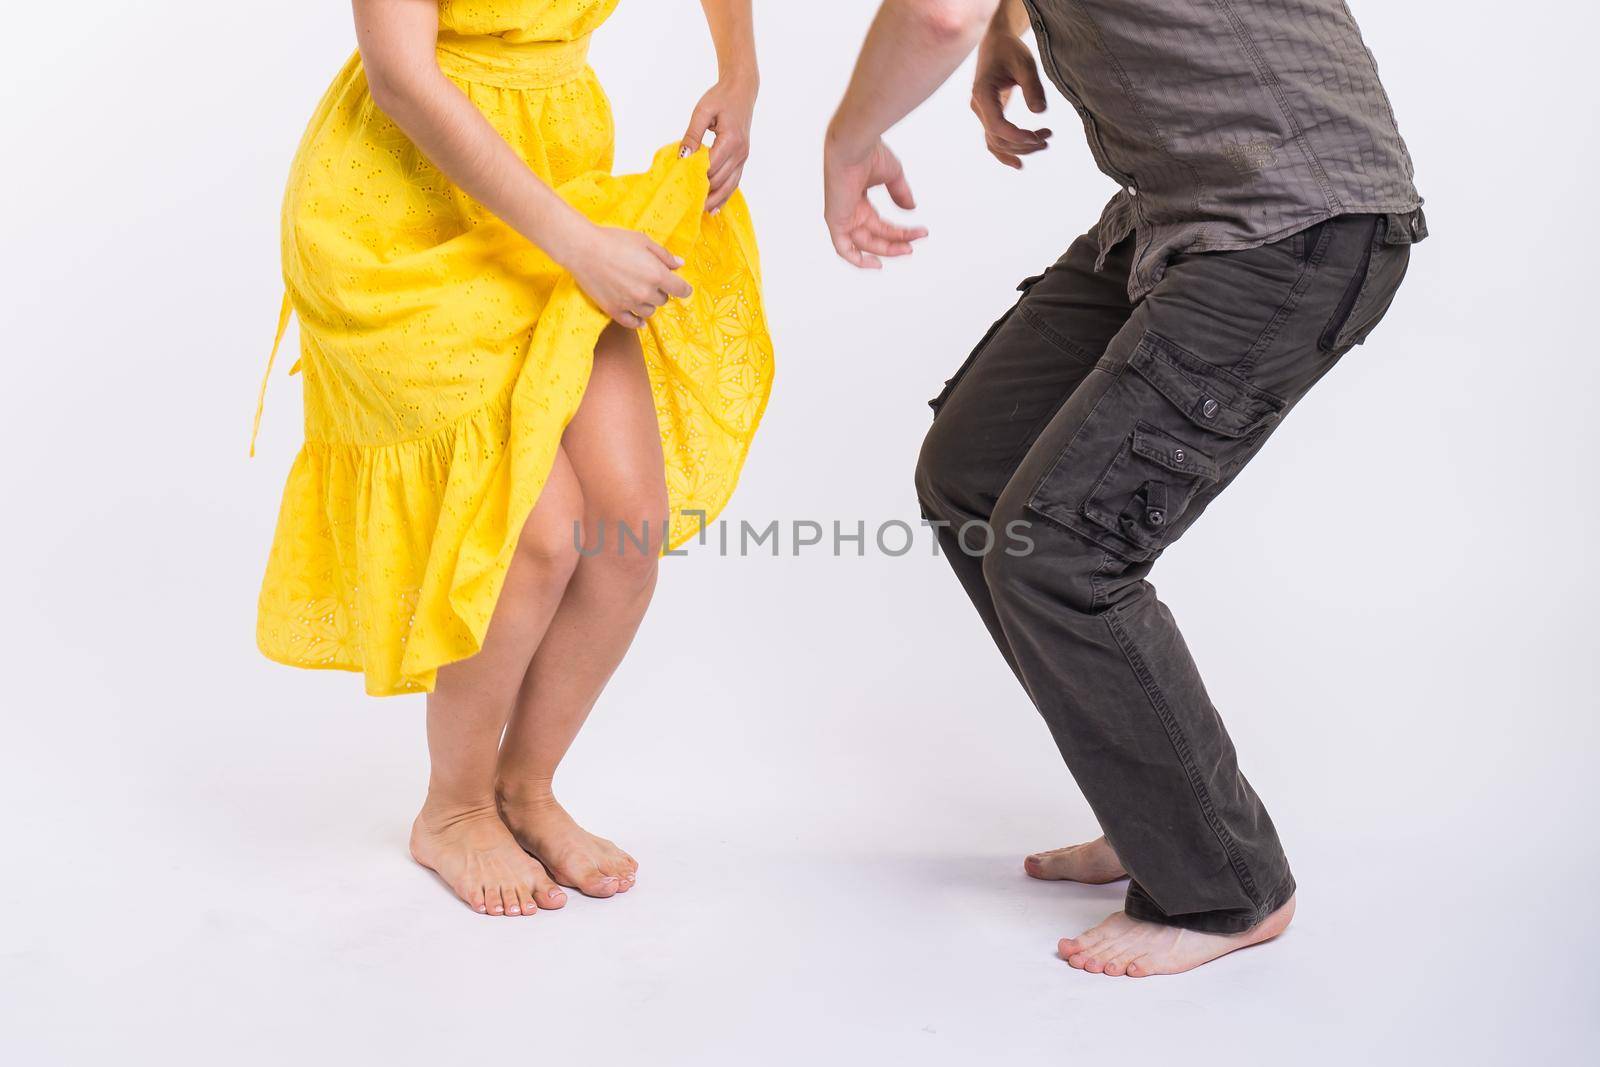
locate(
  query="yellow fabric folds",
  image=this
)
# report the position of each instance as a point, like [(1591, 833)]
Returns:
[(443, 354)]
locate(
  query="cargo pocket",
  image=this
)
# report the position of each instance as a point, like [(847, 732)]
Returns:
[(1146, 490), (1167, 430), (961, 372)]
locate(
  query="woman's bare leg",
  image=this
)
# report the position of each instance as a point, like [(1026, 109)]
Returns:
[(459, 833), (614, 445)]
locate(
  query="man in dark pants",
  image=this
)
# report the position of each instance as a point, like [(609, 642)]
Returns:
[(1261, 228)]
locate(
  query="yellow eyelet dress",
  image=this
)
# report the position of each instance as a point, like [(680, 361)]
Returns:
[(443, 354)]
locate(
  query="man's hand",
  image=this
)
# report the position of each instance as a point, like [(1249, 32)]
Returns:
[(1004, 64), (860, 235)]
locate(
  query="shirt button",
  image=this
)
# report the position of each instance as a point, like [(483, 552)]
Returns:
[(1155, 516), (1132, 191), (1179, 456), (1208, 408)]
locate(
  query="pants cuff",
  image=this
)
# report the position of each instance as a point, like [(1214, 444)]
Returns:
[(1140, 906)]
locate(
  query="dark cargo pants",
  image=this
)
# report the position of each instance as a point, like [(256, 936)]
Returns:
[(1109, 427)]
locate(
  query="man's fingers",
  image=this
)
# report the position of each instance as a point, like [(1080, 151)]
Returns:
[(1001, 130), (871, 242), (846, 247), (1014, 136), (1032, 89), (988, 105), (882, 227), (900, 192), (1003, 153)]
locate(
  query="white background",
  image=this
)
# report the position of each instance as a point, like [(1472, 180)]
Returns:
[(825, 769)]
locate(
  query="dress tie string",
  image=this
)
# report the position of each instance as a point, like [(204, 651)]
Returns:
[(277, 340)]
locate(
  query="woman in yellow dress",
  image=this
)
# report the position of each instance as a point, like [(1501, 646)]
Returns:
[(507, 353)]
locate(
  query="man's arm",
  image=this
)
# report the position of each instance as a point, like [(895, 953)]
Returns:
[(912, 47), (1004, 64)]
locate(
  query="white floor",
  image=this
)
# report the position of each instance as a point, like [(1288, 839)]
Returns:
[(828, 875), (825, 769)]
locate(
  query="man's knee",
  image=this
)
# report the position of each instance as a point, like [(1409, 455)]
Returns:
[(947, 488), (1034, 559)]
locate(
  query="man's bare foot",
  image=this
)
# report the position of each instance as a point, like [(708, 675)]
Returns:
[(1093, 863), (476, 856), (1121, 945), (575, 857)]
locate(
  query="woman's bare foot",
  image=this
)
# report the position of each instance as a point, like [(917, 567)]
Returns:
[(1092, 862), (592, 865), (476, 856), (1121, 945)]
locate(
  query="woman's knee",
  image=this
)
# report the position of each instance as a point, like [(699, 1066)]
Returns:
[(626, 549), (550, 539)]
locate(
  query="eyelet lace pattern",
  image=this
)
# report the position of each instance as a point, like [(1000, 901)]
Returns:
[(442, 354)]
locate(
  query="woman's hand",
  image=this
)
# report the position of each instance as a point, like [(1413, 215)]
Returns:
[(1004, 64), (860, 235), (726, 110), (626, 273)]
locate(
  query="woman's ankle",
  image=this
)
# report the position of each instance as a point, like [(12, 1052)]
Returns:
[(443, 807), (524, 790)]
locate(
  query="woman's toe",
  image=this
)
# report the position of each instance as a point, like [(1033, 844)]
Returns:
[(546, 893), (475, 898), (526, 902), (594, 882)]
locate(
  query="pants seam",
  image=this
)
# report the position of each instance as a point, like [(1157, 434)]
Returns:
[(1291, 301), (1180, 745)]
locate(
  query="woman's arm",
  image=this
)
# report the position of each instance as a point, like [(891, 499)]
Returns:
[(625, 273), (728, 106)]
